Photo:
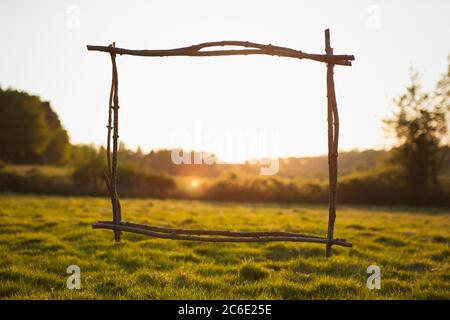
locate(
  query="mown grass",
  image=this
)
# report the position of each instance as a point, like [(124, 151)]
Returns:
[(41, 236)]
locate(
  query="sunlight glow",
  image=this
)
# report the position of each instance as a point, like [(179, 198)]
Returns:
[(195, 183)]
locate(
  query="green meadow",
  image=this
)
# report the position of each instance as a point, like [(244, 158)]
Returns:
[(40, 236)]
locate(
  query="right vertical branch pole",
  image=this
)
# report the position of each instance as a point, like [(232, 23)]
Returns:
[(117, 214), (333, 139)]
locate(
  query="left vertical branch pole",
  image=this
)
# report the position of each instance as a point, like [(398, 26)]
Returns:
[(333, 140), (113, 125)]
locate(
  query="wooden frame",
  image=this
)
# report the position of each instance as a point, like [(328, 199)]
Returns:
[(249, 48)]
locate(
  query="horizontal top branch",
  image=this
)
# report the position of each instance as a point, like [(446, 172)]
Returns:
[(250, 48)]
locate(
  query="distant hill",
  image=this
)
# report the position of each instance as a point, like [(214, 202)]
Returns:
[(292, 167), (348, 162)]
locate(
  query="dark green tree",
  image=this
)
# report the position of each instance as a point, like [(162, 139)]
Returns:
[(24, 134), (30, 131), (58, 147), (420, 126)]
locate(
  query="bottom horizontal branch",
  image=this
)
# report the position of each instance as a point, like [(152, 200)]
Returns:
[(127, 227), (226, 233)]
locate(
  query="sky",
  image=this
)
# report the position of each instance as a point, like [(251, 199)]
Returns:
[(237, 107)]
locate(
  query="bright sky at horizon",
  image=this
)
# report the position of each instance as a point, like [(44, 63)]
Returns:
[(195, 102)]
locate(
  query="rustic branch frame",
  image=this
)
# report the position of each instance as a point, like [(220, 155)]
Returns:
[(250, 48)]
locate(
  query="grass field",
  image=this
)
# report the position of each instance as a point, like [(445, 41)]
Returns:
[(41, 236)]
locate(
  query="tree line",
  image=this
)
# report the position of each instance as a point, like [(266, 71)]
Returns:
[(415, 171)]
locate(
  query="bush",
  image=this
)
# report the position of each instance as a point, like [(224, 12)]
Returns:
[(34, 182), (271, 189), (88, 179), (133, 183)]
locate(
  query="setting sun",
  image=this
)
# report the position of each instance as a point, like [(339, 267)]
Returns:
[(195, 183)]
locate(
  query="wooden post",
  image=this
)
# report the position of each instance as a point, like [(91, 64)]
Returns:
[(333, 139), (117, 214), (109, 126)]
